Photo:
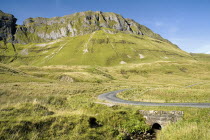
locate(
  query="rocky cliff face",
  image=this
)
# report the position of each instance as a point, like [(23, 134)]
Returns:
[(7, 26), (46, 29)]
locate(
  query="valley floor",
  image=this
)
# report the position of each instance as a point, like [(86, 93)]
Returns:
[(60, 102)]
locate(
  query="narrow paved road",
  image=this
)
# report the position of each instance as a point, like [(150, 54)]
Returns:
[(111, 97)]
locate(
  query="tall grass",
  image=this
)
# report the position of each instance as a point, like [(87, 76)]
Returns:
[(186, 131), (36, 104)]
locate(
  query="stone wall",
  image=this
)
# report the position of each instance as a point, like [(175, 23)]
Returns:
[(161, 117)]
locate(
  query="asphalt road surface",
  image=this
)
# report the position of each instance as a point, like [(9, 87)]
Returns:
[(111, 97)]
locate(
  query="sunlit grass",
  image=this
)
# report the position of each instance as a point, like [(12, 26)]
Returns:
[(168, 94), (186, 131), (36, 104)]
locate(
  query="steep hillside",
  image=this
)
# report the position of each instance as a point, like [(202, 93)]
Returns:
[(98, 48), (86, 38), (46, 29)]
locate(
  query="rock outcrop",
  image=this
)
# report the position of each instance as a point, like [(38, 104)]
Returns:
[(7, 27), (46, 29)]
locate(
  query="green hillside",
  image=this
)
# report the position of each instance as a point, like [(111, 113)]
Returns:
[(98, 48)]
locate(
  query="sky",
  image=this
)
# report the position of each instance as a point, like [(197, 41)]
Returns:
[(183, 22)]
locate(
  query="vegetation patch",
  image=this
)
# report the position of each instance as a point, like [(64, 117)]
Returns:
[(42, 103)]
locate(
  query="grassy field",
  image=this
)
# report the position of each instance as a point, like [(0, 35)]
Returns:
[(96, 49), (60, 102)]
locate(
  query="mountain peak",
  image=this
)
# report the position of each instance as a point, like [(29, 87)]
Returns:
[(86, 38), (45, 29)]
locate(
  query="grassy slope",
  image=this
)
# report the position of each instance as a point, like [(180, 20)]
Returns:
[(52, 91), (201, 57), (103, 49), (63, 110), (170, 82), (43, 106)]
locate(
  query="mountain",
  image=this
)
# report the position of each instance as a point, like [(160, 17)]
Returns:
[(87, 38), (7, 26), (46, 29)]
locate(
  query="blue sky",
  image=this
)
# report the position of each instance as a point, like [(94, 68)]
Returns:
[(184, 22)]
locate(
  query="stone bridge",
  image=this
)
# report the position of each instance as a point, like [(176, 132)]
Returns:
[(158, 119)]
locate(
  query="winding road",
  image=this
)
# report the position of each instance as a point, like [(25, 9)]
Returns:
[(111, 97)]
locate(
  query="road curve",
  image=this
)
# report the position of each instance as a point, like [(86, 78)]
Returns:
[(111, 97)]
